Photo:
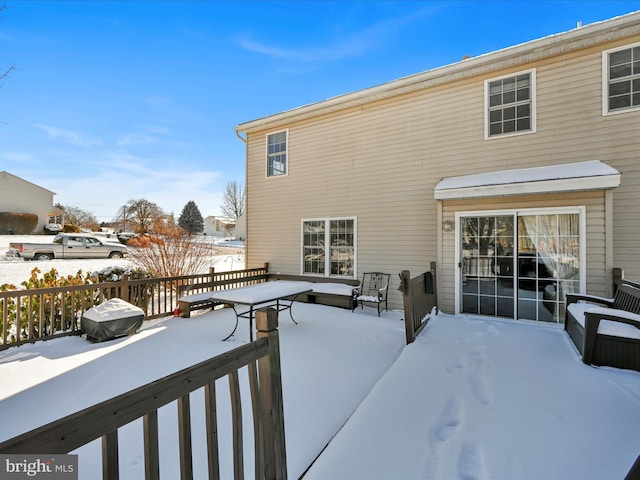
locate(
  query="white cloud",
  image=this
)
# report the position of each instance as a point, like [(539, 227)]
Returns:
[(68, 136), (17, 157), (135, 139), (147, 136), (6, 37), (122, 177), (346, 46)]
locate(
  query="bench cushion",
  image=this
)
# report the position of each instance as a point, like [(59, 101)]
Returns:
[(606, 327), (196, 297), (333, 288), (368, 298), (617, 329)]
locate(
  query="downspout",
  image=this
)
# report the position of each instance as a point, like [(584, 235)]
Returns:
[(246, 199), (244, 140)]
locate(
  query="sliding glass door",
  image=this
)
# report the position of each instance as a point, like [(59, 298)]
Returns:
[(520, 264)]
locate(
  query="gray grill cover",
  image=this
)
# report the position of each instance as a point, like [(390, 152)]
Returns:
[(111, 319)]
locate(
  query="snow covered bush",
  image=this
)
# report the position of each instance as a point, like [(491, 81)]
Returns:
[(49, 313)]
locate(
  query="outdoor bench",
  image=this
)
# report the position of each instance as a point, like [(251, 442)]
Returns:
[(334, 292), (203, 297), (606, 331), (195, 301)]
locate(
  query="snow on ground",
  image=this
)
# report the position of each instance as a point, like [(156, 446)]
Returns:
[(330, 361), (16, 271), (472, 398), (478, 398)]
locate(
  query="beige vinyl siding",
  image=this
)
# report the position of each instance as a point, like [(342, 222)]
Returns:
[(21, 196), (379, 163)]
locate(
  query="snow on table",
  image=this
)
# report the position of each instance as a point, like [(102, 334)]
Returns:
[(262, 292)]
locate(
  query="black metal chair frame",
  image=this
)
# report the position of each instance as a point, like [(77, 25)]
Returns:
[(373, 289)]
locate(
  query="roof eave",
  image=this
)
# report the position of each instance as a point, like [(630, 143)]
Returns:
[(576, 39), (600, 182)]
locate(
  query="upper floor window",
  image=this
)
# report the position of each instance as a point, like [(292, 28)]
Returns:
[(621, 85), (510, 104), (277, 154)]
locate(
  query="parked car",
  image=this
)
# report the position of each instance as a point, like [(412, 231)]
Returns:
[(124, 237), (53, 228), (68, 245)]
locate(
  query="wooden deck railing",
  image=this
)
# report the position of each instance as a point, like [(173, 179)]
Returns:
[(617, 275), (419, 297), (45, 313), (104, 419)]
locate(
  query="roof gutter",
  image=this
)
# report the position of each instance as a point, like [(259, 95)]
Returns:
[(562, 43), (243, 139)]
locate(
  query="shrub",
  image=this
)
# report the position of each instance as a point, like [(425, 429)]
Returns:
[(171, 253), (60, 311), (68, 228), (17, 223)]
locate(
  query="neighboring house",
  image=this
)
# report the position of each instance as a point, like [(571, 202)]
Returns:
[(241, 227), (20, 196), (434, 166), (218, 226)]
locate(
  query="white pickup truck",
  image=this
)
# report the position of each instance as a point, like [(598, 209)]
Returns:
[(68, 245)]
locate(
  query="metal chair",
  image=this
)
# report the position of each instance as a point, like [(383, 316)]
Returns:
[(373, 289)]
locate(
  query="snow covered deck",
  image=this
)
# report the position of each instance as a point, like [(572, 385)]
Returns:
[(470, 398)]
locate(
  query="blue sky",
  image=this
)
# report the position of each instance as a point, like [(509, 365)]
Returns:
[(117, 100)]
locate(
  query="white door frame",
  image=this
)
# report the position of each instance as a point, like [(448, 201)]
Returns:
[(580, 210)]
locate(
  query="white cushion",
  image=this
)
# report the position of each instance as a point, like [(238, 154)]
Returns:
[(606, 327), (333, 288), (368, 298), (196, 297)]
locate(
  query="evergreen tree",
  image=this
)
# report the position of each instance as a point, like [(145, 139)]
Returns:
[(191, 219)]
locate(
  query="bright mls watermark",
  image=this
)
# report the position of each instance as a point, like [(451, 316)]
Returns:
[(45, 466)]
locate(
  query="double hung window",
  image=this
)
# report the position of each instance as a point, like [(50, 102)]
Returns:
[(510, 104), (621, 85), (277, 154), (328, 247)]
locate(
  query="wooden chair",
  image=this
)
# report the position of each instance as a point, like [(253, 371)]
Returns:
[(373, 289)]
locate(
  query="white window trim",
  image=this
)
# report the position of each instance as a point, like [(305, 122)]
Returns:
[(581, 210), (327, 259), (534, 122), (266, 153), (605, 81)]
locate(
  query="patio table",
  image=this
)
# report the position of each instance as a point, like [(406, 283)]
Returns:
[(268, 294)]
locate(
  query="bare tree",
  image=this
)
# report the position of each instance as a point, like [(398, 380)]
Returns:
[(77, 217), (6, 73), (139, 215), (233, 200)]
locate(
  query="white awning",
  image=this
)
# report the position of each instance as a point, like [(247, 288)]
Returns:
[(569, 177)]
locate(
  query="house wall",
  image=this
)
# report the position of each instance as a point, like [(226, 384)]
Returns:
[(241, 227), (380, 161), (19, 196)]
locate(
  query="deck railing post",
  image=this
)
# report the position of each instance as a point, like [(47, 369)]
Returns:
[(124, 288), (617, 275), (270, 384), (405, 277), (434, 272)]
